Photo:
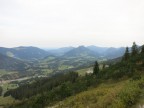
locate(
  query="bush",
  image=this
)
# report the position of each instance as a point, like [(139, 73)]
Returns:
[(128, 95)]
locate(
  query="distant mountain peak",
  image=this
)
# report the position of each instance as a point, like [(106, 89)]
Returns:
[(79, 52)]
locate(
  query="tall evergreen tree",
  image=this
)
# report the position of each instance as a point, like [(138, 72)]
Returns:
[(96, 68), (126, 54), (1, 90), (142, 50), (134, 49)]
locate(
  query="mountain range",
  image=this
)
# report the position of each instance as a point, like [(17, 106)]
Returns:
[(106, 52), (18, 58), (24, 53), (33, 53)]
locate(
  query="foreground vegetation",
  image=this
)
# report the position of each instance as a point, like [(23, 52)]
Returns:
[(121, 94), (117, 86)]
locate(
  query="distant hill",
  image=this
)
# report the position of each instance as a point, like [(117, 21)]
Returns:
[(25, 53), (9, 63), (111, 53), (97, 49), (60, 51), (81, 51), (108, 52)]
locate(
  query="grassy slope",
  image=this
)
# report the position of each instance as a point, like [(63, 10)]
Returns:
[(6, 101), (140, 101), (107, 95)]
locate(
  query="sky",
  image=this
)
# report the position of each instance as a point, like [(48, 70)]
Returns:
[(61, 23)]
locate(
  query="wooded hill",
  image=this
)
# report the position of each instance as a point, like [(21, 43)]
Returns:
[(49, 91)]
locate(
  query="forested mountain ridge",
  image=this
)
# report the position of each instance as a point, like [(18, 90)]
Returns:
[(33, 53), (9, 63), (24, 53), (106, 52)]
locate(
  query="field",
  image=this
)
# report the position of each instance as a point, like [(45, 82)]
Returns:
[(82, 72), (4, 72)]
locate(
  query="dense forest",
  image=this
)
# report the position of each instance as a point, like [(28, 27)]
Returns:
[(48, 91)]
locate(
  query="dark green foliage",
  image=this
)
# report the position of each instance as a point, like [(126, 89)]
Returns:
[(1, 90), (129, 95), (127, 67), (71, 85), (46, 84), (96, 68), (126, 54), (134, 49), (142, 50)]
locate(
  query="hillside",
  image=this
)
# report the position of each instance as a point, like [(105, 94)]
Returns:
[(111, 53), (97, 49), (72, 60), (108, 52), (105, 52), (9, 63), (118, 86), (60, 51), (107, 95), (24, 53), (80, 51)]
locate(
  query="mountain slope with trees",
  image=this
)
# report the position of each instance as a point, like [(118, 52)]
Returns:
[(127, 76), (24, 53), (9, 63)]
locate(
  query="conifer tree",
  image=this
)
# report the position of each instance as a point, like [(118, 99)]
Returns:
[(96, 68), (142, 50), (126, 54), (134, 49)]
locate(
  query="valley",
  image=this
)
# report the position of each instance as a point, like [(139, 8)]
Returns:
[(71, 78), (48, 62), (71, 54)]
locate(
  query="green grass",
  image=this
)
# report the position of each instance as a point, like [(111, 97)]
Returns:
[(111, 94), (140, 101), (94, 97), (6, 101)]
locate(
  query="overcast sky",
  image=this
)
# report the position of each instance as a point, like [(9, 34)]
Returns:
[(58, 23)]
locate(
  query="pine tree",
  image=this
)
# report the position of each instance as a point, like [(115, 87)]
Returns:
[(126, 54), (142, 50), (134, 49), (96, 68)]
